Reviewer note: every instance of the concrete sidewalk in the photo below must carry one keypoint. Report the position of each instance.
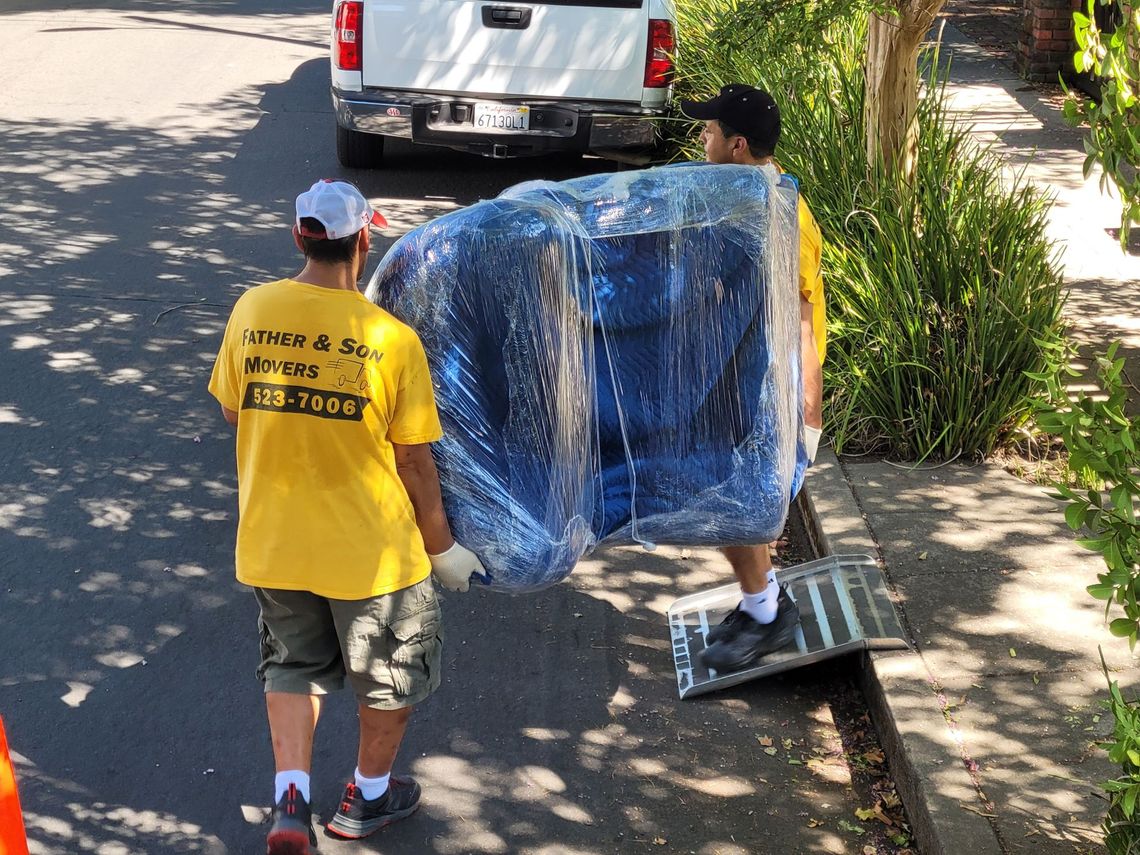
(1023, 124)
(990, 725)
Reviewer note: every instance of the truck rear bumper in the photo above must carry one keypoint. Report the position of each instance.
(447, 120)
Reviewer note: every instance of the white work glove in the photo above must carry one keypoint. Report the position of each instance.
(811, 441)
(454, 568)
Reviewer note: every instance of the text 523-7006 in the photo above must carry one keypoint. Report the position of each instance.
(283, 398)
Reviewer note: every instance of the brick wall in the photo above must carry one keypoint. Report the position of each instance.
(1046, 45)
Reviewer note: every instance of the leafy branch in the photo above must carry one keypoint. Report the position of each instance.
(1110, 50)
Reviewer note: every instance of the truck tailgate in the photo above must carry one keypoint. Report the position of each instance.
(594, 49)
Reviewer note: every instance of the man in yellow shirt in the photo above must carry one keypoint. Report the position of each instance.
(341, 524)
(742, 126)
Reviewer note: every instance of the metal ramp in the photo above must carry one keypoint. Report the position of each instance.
(844, 607)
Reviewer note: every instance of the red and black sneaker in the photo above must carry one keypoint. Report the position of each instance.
(358, 817)
(292, 832)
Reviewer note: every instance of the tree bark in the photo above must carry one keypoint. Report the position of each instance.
(893, 42)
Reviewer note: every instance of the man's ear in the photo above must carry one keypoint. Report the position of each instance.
(297, 239)
(363, 242)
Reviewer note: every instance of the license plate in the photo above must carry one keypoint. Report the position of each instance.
(502, 118)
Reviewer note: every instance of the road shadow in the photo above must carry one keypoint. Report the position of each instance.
(557, 729)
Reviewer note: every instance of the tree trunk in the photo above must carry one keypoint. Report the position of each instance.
(893, 42)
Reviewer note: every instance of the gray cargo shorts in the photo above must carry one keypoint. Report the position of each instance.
(389, 647)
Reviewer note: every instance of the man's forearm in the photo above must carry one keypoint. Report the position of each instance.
(421, 481)
(812, 369)
(813, 389)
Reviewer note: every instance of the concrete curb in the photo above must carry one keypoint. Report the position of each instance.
(924, 756)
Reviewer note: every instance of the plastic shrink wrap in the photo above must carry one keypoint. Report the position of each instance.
(615, 358)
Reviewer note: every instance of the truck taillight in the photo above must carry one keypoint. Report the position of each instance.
(659, 56)
(347, 34)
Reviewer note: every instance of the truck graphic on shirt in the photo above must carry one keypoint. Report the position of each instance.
(349, 372)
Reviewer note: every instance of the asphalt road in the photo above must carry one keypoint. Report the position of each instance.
(149, 155)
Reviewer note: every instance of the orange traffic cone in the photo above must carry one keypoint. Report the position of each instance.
(12, 838)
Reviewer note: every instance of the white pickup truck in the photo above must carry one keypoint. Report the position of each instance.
(499, 77)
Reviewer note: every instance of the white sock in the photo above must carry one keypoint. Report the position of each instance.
(772, 583)
(293, 776)
(372, 788)
(762, 606)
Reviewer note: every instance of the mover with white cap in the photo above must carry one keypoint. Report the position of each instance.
(341, 523)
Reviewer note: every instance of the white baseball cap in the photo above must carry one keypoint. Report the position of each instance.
(339, 207)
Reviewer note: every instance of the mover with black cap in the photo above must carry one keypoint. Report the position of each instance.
(742, 126)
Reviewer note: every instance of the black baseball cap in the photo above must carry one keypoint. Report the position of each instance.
(745, 109)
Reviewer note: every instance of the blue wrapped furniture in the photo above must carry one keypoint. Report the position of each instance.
(616, 358)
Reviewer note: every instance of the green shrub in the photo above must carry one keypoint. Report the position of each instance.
(1113, 120)
(1103, 444)
(1122, 821)
(755, 41)
(941, 294)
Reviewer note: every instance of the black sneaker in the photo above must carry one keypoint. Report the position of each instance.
(292, 832)
(716, 633)
(744, 640)
(358, 817)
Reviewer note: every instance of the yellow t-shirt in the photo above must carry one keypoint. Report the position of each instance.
(324, 382)
(811, 274)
